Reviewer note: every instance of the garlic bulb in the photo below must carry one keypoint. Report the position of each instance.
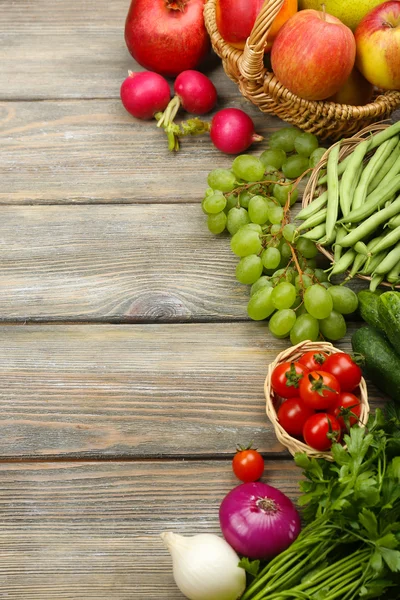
(205, 567)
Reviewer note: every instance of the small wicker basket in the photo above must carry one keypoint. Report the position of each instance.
(312, 189)
(262, 88)
(292, 354)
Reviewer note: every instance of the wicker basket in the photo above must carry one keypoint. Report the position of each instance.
(312, 189)
(262, 88)
(291, 354)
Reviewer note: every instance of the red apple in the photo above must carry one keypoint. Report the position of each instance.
(313, 54)
(378, 46)
(356, 91)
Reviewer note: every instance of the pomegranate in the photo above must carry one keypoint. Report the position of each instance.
(167, 36)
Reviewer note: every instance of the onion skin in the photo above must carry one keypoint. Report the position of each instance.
(258, 520)
(167, 36)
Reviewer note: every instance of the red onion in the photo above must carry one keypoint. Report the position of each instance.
(258, 520)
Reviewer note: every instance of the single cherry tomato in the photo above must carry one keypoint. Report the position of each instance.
(248, 464)
(346, 371)
(320, 431)
(292, 414)
(347, 410)
(313, 360)
(286, 379)
(319, 390)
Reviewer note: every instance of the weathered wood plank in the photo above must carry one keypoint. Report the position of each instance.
(122, 263)
(135, 391)
(91, 531)
(93, 151)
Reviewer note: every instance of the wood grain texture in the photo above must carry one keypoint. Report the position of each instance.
(93, 151)
(91, 531)
(136, 391)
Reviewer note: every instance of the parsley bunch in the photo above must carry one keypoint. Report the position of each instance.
(350, 545)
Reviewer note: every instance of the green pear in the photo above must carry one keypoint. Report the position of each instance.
(350, 12)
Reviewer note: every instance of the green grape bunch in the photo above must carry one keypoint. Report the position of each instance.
(251, 201)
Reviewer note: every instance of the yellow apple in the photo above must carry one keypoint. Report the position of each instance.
(357, 91)
(350, 12)
(378, 46)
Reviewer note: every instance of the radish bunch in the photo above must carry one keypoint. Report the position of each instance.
(146, 95)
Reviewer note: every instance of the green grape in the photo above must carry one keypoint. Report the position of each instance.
(231, 202)
(308, 271)
(275, 215)
(318, 301)
(333, 327)
(288, 232)
(316, 156)
(303, 283)
(271, 257)
(209, 191)
(312, 263)
(221, 179)
(260, 305)
(306, 247)
(301, 310)
(261, 282)
(285, 250)
(249, 269)
(284, 295)
(320, 275)
(237, 217)
(282, 322)
(298, 301)
(305, 328)
(273, 158)
(245, 242)
(305, 144)
(326, 284)
(275, 228)
(284, 138)
(244, 198)
(253, 227)
(345, 301)
(290, 275)
(295, 166)
(202, 208)
(258, 210)
(281, 193)
(248, 167)
(216, 223)
(215, 203)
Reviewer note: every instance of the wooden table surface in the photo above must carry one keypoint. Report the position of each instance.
(129, 369)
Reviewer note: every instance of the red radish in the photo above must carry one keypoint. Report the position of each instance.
(144, 94)
(196, 92)
(167, 36)
(232, 131)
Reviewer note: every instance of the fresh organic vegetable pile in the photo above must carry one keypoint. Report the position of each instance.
(359, 213)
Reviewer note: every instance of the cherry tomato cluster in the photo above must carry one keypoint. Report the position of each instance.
(317, 394)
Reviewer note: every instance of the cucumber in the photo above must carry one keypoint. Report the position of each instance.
(389, 313)
(368, 308)
(382, 364)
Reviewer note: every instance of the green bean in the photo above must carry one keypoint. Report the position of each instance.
(394, 274)
(314, 220)
(389, 262)
(333, 195)
(371, 224)
(391, 163)
(371, 264)
(375, 281)
(337, 248)
(316, 233)
(344, 263)
(376, 200)
(372, 167)
(313, 207)
(361, 248)
(394, 222)
(358, 263)
(389, 240)
(347, 185)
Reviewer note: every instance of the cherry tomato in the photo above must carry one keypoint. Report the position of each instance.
(292, 414)
(313, 360)
(347, 410)
(319, 390)
(286, 378)
(346, 371)
(248, 464)
(320, 431)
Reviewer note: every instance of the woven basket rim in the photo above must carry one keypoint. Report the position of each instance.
(290, 354)
(347, 145)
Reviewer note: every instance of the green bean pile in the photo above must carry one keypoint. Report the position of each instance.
(358, 215)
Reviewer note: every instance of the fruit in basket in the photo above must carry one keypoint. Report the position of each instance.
(307, 68)
(350, 12)
(321, 430)
(319, 389)
(235, 20)
(167, 36)
(292, 415)
(378, 46)
(356, 91)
